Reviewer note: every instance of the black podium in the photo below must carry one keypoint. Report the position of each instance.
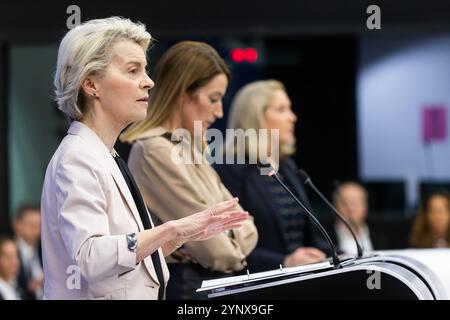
(402, 274)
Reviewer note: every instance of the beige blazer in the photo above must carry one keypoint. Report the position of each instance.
(174, 191)
(87, 209)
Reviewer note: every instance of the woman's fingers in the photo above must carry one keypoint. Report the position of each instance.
(228, 221)
(237, 216)
(224, 206)
(230, 226)
(225, 222)
(219, 219)
(230, 216)
(213, 230)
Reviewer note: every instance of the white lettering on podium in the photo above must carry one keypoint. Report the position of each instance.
(374, 281)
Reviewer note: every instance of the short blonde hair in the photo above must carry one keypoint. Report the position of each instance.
(183, 68)
(86, 50)
(248, 109)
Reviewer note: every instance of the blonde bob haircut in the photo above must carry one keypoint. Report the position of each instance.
(86, 50)
(182, 69)
(248, 110)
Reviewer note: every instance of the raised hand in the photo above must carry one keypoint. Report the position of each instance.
(207, 223)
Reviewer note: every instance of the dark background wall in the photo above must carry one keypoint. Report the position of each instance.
(323, 86)
(4, 221)
(46, 19)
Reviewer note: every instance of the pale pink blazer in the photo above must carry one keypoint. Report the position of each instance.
(87, 209)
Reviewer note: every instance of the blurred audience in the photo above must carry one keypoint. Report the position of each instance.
(351, 199)
(431, 227)
(9, 270)
(27, 229)
(286, 236)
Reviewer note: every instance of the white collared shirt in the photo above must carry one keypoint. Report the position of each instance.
(346, 241)
(8, 291)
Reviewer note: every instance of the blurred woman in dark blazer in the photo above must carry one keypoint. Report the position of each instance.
(286, 236)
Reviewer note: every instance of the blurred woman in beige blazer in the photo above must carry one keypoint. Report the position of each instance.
(98, 241)
(191, 79)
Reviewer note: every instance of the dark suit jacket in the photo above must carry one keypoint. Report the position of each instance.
(24, 277)
(245, 182)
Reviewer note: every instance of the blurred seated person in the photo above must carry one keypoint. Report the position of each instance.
(9, 269)
(286, 236)
(27, 229)
(431, 226)
(351, 199)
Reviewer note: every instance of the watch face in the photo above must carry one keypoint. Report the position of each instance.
(132, 242)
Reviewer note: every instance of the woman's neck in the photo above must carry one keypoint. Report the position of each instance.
(173, 123)
(7, 279)
(108, 131)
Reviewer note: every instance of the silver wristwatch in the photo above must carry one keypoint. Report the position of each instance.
(132, 242)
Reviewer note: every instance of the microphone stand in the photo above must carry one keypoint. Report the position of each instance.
(336, 261)
(307, 180)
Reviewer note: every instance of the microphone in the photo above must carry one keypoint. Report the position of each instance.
(272, 173)
(307, 181)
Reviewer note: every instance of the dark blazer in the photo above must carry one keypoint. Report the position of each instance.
(25, 276)
(252, 188)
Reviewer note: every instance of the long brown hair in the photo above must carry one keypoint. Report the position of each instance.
(421, 233)
(184, 68)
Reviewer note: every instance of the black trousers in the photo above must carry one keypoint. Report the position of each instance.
(186, 278)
